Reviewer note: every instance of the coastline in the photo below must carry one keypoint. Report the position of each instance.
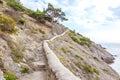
(114, 49)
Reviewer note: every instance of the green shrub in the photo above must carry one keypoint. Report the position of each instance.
(80, 39)
(41, 31)
(97, 78)
(16, 60)
(16, 5)
(78, 56)
(24, 70)
(64, 50)
(72, 47)
(1, 1)
(21, 21)
(72, 33)
(96, 71)
(7, 24)
(19, 55)
(78, 64)
(74, 38)
(9, 76)
(85, 41)
(39, 15)
(88, 68)
(16, 55)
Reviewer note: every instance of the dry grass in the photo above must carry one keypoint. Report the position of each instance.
(7, 24)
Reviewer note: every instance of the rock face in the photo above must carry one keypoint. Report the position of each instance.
(1, 75)
(23, 55)
(101, 53)
(86, 61)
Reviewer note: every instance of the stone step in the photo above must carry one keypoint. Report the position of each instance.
(37, 75)
(38, 65)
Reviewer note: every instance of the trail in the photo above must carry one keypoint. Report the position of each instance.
(50, 67)
(56, 70)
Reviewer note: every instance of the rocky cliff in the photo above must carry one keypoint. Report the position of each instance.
(30, 50)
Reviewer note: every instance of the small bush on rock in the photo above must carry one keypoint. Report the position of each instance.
(41, 31)
(88, 68)
(15, 5)
(9, 76)
(96, 71)
(80, 39)
(64, 50)
(7, 24)
(24, 70)
(21, 21)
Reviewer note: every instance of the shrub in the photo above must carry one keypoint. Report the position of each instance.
(78, 56)
(97, 78)
(96, 71)
(72, 33)
(24, 70)
(78, 64)
(36, 14)
(9, 76)
(16, 5)
(64, 50)
(7, 24)
(1, 1)
(74, 38)
(21, 21)
(72, 47)
(41, 31)
(16, 60)
(85, 41)
(88, 68)
(80, 39)
(39, 15)
(18, 55)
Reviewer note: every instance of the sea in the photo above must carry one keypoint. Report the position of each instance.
(114, 49)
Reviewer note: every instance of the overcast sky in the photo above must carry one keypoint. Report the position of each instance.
(97, 19)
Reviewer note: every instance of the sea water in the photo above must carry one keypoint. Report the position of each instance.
(114, 49)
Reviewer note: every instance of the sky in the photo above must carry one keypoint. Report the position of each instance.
(98, 20)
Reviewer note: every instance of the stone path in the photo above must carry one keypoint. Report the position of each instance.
(44, 73)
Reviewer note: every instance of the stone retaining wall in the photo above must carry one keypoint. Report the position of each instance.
(57, 69)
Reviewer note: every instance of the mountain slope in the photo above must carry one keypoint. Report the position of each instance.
(84, 61)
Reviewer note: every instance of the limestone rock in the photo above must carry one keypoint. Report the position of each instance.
(1, 75)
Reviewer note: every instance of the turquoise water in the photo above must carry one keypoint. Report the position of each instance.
(114, 49)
